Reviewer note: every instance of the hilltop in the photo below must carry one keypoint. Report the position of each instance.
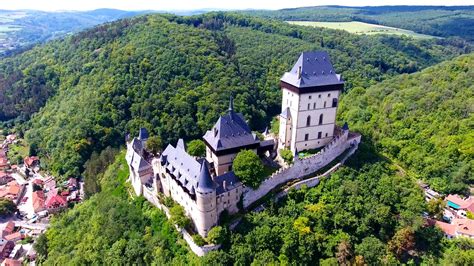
(423, 120)
(174, 74)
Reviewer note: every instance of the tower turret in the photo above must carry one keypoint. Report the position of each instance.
(205, 201)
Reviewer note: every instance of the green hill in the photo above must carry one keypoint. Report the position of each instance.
(442, 21)
(423, 120)
(174, 75)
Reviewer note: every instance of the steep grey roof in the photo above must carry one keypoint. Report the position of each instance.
(316, 70)
(231, 182)
(286, 113)
(143, 134)
(205, 183)
(181, 144)
(137, 145)
(230, 131)
(183, 166)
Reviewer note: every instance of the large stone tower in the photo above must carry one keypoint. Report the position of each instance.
(206, 213)
(310, 97)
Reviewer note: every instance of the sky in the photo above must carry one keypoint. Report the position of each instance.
(53, 5)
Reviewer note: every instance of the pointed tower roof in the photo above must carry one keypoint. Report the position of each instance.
(231, 108)
(345, 126)
(205, 183)
(143, 134)
(181, 144)
(312, 69)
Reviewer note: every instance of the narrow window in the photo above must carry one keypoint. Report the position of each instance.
(319, 134)
(308, 121)
(319, 96)
(309, 106)
(334, 102)
(314, 105)
(324, 104)
(306, 137)
(326, 134)
(329, 94)
(310, 97)
(321, 119)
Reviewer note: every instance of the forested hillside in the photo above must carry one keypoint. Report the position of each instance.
(424, 120)
(174, 75)
(444, 21)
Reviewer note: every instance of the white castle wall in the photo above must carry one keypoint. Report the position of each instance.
(200, 251)
(301, 167)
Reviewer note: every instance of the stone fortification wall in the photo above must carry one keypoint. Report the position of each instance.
(302, 167)
(200, 251)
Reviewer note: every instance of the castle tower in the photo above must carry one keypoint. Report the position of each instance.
(206, 213)
(310, 96)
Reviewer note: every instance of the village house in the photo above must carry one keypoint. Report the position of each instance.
(6, 248)
(461, 205)
(5, 178)
(55, 202)
(458, 227)
(11, 262)
(39, 200)
(32, 163)
(12, 190)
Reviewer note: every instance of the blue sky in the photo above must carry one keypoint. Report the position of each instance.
(52, 5)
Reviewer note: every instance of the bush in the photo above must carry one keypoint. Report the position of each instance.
(178, 216)
(286, 155)
(248, 167)
(154, 144)
(197, 147)
(7, 207)
(199, 240)
(216, 235)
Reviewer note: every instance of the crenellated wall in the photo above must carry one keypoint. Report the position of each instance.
(302, 167)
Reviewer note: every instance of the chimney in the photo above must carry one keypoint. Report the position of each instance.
(224, 184)
(299, 72)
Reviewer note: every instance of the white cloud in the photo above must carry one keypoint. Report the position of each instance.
(200, 4)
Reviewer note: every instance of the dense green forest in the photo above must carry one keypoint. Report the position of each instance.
(366, 212)
(444, 21)
(174, 75)
(424, 120)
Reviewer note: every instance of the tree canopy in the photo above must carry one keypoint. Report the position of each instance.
(249, 168)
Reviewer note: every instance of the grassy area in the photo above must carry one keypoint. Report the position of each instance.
(18, 150)
(362, 28)
(310, 152)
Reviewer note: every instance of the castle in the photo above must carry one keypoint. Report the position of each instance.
(206, 187)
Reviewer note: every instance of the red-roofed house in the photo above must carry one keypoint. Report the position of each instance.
(9, 228)
(11, 191)
(458, 227)
(458, 203)
(5, 178)
(6, 248)
(14, 236)
(31, 161)
(56, 203)
(11, 262)
(38, 201)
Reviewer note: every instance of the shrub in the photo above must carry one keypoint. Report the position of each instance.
(216, 235)
(178, 216)
(199, 240)
(197, 148)
(248, 167)
(286, 155)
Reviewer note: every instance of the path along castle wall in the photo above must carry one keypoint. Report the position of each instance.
(200, 251)
(302, 167)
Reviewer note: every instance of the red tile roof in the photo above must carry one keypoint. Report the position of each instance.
(467, 203)
(30, 160)
(56, 201)
(11, 262)
(9, 227)
(38, 200)
(457, 226)
(14, 236)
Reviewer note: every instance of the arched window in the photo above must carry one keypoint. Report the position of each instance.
(308, 121)
(321, 119)
(334, 102)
